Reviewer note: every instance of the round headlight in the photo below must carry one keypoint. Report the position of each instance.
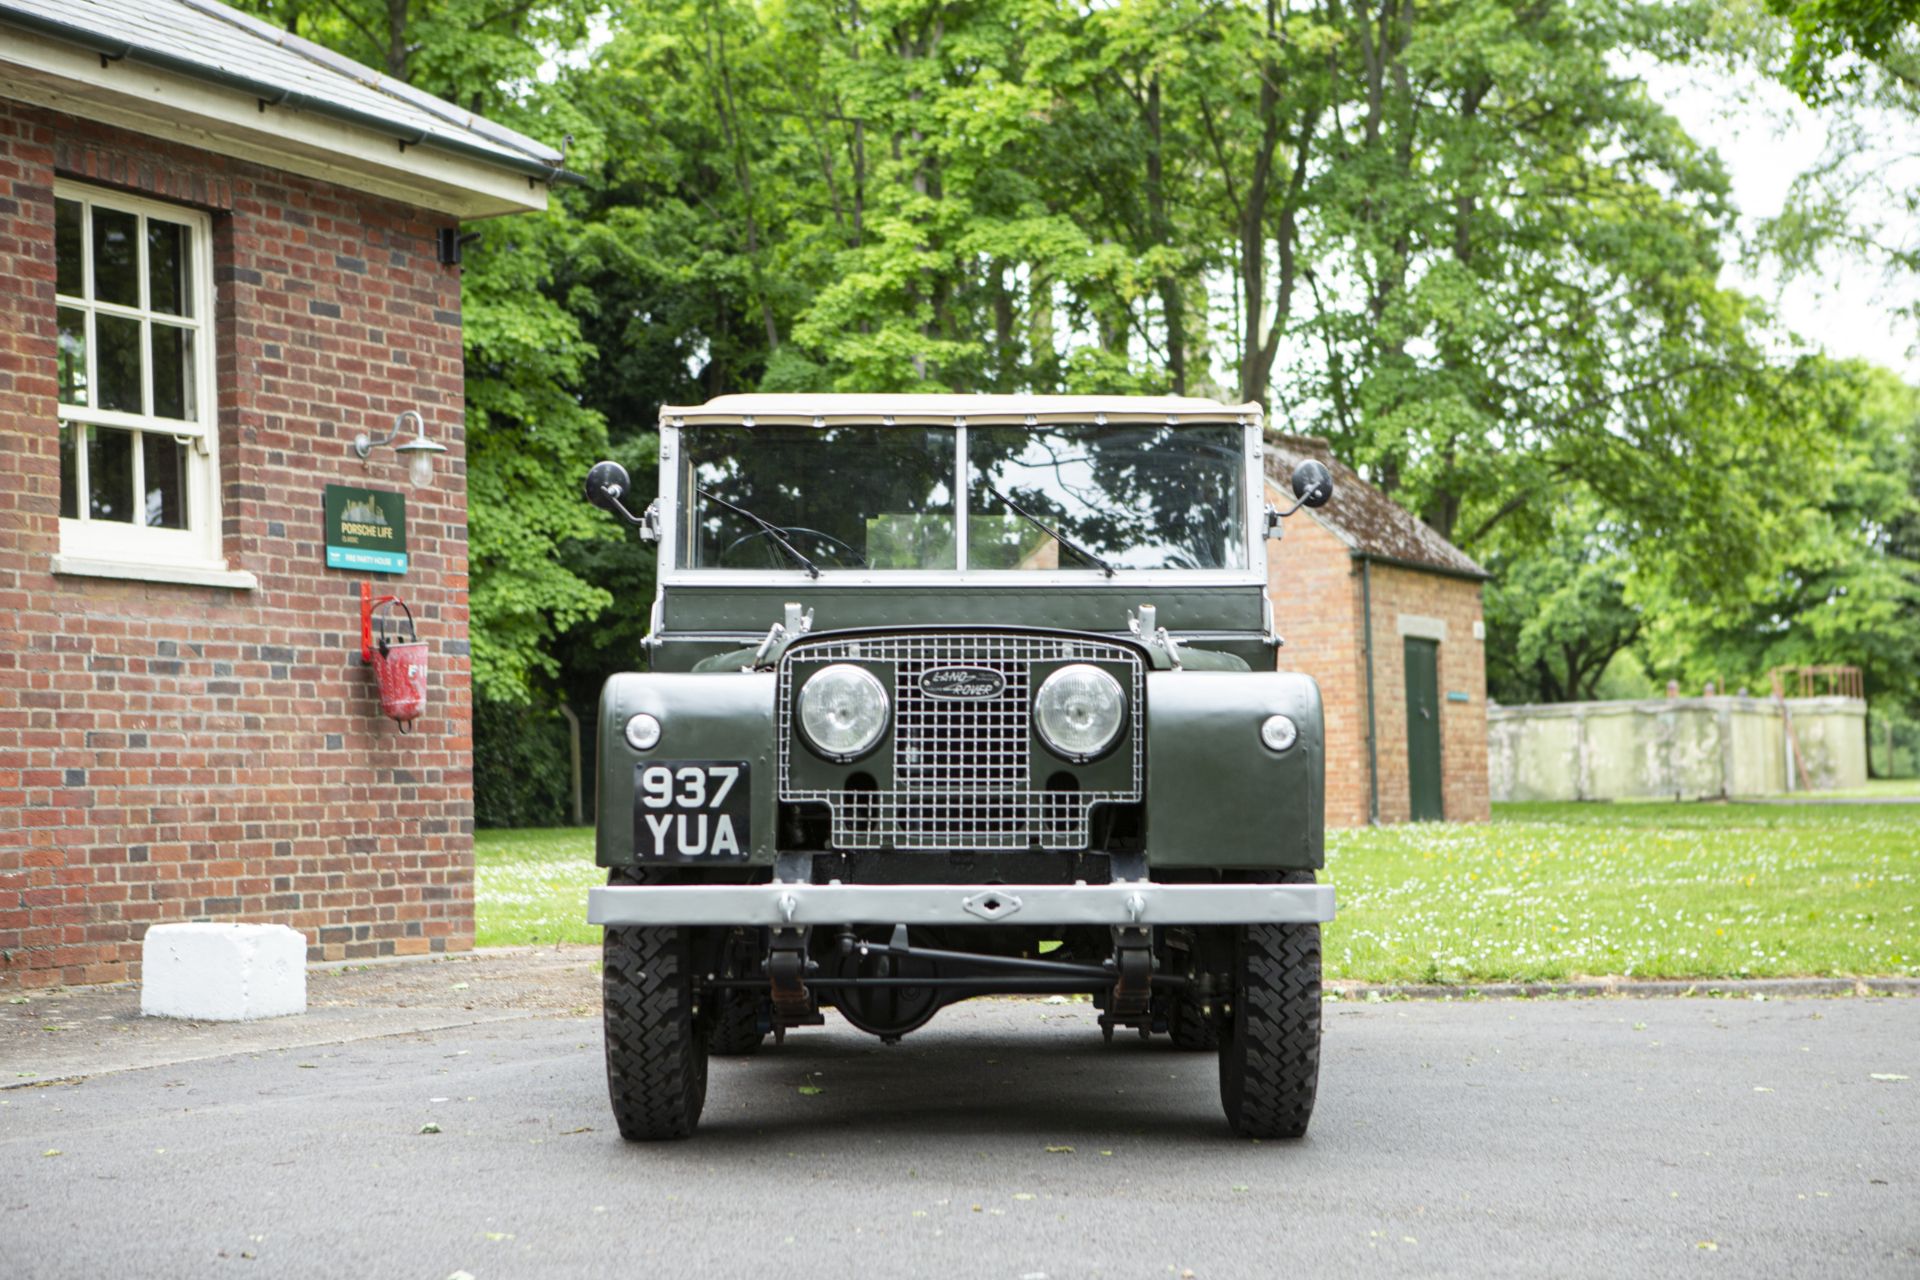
(643, 732)
(1079, 711)
(843, 711)
(1278, 733)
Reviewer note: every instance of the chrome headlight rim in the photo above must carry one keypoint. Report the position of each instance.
(1071, 671)
(865, 679)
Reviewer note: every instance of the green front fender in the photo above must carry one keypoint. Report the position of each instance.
(1218, 797)
(724, 716)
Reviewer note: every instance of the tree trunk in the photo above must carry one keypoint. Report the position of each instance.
(398, 54)
(1172, 300)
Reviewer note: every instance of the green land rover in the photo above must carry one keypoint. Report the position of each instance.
(953, 696)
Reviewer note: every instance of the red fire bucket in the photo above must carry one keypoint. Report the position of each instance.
(402, 668)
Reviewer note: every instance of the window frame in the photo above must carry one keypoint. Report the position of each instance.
(99, 547)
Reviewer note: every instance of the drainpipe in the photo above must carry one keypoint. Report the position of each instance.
(1373, 757)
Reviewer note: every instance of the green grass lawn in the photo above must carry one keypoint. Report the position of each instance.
(530, 885)
(1544, 891)
(1640, 890)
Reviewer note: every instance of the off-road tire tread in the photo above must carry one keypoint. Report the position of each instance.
(736, 1024)
(1270, 1047)
(1191, 1027)
(656, 1048)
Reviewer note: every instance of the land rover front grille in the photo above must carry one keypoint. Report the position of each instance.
(961, 775)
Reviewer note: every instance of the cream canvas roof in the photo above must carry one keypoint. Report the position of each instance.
(916, 408)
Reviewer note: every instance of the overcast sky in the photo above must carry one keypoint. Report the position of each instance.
(1766, 139)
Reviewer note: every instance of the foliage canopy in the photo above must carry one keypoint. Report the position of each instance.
(1457, 238)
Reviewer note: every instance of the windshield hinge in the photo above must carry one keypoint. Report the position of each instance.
(1162, 648)
(781, 634)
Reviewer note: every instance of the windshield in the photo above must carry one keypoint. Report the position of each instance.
(1078, 496)
(1134, 495)
(845, 497)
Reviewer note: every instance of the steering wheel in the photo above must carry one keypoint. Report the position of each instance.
(852, 557)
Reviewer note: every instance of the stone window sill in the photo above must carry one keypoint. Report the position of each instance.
(191, 575)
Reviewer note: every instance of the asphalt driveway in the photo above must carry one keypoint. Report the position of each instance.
(1563, 1137)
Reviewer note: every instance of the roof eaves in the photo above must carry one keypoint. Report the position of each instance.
(280, 95)
(1474, 574)
(359, 72)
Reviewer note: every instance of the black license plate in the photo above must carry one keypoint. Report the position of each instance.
(691, 812)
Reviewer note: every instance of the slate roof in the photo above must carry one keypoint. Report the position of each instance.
(1372, 525)
(222, 45)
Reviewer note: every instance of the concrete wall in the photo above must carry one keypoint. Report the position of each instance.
(1832, 733)
(1672, 748)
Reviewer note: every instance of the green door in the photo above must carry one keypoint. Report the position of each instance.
(1423, 730)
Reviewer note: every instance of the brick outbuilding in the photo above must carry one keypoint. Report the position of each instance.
(224, 253)
(1385, 614)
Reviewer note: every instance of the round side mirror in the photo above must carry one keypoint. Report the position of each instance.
(1312, 483)
(607, 483)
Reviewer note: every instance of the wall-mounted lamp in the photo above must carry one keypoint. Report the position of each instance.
(418, 451)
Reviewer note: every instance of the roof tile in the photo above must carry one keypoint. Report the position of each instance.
(1367, 520)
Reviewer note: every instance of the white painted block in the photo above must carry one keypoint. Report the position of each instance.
(223, 972)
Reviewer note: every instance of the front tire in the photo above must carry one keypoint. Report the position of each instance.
(656, 1034)
(1270, 1045)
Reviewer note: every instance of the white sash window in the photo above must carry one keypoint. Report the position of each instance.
(134, 310)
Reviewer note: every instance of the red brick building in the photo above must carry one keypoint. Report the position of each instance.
(224, 253)
(1385, 614)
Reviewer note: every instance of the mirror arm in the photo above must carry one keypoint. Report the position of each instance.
(647, 522)
(1274, 515)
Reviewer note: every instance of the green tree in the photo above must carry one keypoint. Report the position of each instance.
(1455, 237)
(1885, 33)
(1859, 200)
(1842, 583)
(529, 440)
(1556, 610)
(1515, 263)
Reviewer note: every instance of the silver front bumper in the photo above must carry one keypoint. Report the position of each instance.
(1124, 903)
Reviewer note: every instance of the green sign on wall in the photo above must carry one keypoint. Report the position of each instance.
(366, 529)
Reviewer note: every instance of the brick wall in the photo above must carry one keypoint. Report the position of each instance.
(178, 752)
(1315, 585)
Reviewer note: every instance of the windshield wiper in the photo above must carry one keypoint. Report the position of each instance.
(1050, 531)
(772, 530)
